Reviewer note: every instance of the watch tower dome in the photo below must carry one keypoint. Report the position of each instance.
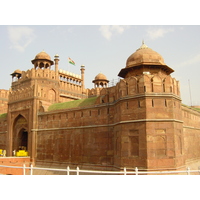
(100, 80)
(42, 60)
(144, 59)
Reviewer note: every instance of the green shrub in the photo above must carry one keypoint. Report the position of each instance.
(4, 115)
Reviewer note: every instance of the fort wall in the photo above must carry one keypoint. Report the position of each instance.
(191, 133)
(3, 130)
(117, 116)
(3, 101)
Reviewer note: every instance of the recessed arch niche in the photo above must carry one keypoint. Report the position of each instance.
(20, 133)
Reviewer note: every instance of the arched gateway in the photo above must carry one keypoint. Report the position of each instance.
(20, 133)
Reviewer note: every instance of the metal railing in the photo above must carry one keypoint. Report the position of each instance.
(79, 171)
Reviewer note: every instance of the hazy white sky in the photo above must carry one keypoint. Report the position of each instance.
(101, 48)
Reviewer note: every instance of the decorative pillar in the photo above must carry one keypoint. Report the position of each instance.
(83, 77)
(56, 59)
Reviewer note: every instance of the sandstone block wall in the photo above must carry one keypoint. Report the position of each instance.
(3, 101)
(75, 136)
(75, 147)
(191, 134)
(3, 131)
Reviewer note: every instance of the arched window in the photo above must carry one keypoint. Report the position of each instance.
(52, 95)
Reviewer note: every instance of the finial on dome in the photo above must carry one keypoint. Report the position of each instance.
(144, 46)
(56, 56)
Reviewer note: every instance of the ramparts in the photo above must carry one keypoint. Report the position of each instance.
(3, 101)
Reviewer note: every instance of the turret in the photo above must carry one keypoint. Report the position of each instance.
(42, 60)
(16, 75)
(100, 81)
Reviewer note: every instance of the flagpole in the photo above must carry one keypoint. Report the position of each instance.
(68, 64)
(190, 92)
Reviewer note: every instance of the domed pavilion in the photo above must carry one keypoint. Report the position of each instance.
(100, 80)
(144, 60)
(42, 60)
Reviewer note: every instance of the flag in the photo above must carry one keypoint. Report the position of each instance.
(71, 61)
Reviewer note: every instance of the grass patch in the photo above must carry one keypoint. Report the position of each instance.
(4, 115)
(197, 109)
(192, 108)
(73, 104)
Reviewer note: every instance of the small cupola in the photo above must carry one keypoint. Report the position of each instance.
(42, 60)
(100, 81)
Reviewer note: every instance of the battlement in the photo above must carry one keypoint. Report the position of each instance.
(50, 74)
(94, 91)
(3, 100)
(137, 85)
(4, 94)
(39, 73)
(22, 93)
(34, 73)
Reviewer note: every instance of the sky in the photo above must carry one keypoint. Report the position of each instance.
(103, 49)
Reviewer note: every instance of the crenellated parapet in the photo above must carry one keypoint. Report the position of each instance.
(39, 73)
(32, 74)
(150, 84)
(36, 73)
(139, 85)
(4, 101)
(21, 94)
(4, 94)
(94, 91)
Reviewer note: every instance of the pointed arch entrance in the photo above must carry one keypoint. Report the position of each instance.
(20, 133)
(23, 139)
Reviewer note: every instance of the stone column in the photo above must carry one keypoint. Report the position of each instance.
(56, 59)
(83, 77)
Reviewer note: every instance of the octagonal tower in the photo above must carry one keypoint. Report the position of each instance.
(152, 137)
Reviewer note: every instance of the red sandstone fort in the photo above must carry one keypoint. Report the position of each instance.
(139, 122)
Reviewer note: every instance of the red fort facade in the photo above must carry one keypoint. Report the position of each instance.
(139, 122)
